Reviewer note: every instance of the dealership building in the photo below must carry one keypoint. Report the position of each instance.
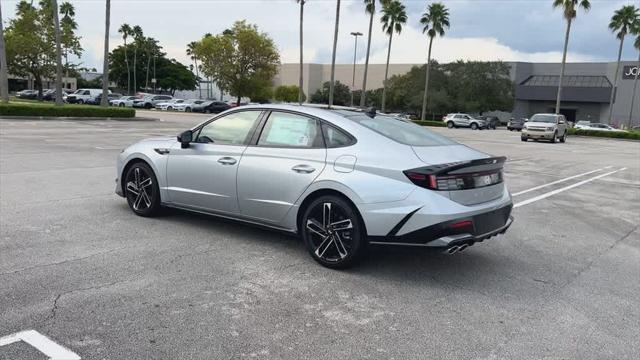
(586, 93)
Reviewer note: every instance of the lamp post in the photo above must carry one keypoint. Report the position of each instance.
(355, 52)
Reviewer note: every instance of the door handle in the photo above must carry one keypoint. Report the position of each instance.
(227, 160)
(303, 169)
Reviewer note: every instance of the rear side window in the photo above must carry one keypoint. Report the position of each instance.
(334, 138)
(290, 130)
(401, 131)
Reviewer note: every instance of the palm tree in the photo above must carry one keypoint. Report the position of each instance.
(125, 30)
(137, 34)
(191, 52)
(636, 44)
(435, 20)
(151, 47)
(56, 24)
(393, 17)
(370, 8)
(4, 77)
(569, 8)
(300, 81)
(67, 24)
(104, 101)
(333, 56)
(623, 20)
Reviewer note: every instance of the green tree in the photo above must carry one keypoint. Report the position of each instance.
(635, 31)
(151, 48)
(341, 94)
(126, 31)
(241, 60)
(370, 8)
(393, 17)
(70, 41)
(4, 77)
(191, 47)
(434, 21)
(569, 9)
(138, 37)
(30, 44)
(289, 94)
(624, 20)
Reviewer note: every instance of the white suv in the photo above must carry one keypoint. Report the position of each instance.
(81, 96)
(551, 127)
(464, 120)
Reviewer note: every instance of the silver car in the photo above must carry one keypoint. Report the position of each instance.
(340, 179)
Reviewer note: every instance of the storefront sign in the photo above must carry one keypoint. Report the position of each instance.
(630, 72)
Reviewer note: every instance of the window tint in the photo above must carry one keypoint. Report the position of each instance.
(290, 130)
(231, 129)
(401, 131)
(335, 138)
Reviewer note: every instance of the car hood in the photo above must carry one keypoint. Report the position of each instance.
(539, 124)
(433, 155)
(159, 139)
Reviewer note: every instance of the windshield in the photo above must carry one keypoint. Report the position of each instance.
(543, 118)
(401, 131)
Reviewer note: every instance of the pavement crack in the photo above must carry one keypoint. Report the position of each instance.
(60, 262)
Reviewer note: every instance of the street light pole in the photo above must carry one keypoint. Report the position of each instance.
(355, 52)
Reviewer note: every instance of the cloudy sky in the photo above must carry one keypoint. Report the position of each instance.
(510, 30)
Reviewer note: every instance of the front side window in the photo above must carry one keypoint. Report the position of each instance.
(231, 129)
(290, 130)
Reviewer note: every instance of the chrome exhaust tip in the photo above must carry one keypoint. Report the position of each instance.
(452, 250)
(462, 247)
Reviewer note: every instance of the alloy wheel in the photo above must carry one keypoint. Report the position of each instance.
(330, 229)
(139, 189)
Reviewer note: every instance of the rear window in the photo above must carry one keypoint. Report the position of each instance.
(404, 132)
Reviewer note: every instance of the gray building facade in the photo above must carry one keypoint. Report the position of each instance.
(586, 91)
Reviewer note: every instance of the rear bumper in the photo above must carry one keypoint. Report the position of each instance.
(446, 235)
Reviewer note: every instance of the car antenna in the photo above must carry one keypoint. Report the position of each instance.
(371, 112)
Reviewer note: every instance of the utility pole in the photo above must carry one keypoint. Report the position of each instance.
(56, 22)
(4, 82)
(155, 79)
(355, 55)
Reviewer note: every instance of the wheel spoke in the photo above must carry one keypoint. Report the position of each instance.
(342, 225)
(326, 215)
(136, 172)
(145, 183)
(324, 245)
(146, 198)
(136, 202)
(339, 246)
(132, 188)
(314, 226)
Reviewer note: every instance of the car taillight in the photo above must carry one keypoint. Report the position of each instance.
(454, 176)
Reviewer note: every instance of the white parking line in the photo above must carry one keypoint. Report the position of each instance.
(558, 181)
(551, 193)
(52, 350)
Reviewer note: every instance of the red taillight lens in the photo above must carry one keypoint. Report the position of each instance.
(461, 224)
(448, 177)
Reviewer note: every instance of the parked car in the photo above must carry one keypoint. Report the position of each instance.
(582, 124)
(98, 99)
(187, 105)
(317, 172)
(552, 127)
(50, 95)
(123, 101)
(491, 121)
(516, 124)
(211, 107)
(150, 101)
(27, 94)
(463, 120)
(81, 96)
(169, 105)
(598, 127)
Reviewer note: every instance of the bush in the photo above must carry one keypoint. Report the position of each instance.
(606, 134)
(67, 110)
(430, 123)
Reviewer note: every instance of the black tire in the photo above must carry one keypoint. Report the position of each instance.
(141, 202)
(450, 124)
(474, 126)
(187, 109)
(333, 232)
(121, 105)
(148, 106)
(81, 102)
(524, 138)
(563, 139)
(555, 137)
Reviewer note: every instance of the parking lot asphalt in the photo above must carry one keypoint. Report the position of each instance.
(78, 267)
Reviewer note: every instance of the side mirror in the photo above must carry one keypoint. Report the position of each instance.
(561, 122)
(185, 138)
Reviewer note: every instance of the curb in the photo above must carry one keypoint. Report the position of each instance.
(77, 118)
(603, 138)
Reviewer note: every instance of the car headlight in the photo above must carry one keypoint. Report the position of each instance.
(550, 128)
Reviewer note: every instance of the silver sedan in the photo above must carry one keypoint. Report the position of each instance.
(341, 179)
